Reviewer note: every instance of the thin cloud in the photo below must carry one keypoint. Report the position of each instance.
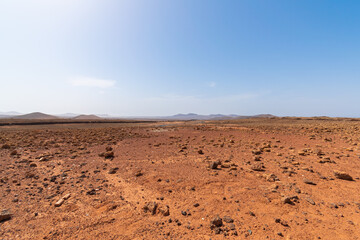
(92, 82)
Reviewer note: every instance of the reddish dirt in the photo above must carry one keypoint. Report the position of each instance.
(169, 163)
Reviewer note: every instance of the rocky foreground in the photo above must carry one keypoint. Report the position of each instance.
(247, 179)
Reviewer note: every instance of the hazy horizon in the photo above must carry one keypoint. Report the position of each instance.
(161, 58)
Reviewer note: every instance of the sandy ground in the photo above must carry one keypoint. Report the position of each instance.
(248, 179)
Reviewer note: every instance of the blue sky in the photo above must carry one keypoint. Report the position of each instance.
(161, 57)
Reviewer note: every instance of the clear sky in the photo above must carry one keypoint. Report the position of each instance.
(163, 57)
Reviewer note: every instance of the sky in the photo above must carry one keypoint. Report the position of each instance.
(161, 57)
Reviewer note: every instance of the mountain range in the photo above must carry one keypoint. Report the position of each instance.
(184, 117)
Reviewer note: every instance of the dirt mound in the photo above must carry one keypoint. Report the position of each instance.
(87, 117)
(35, 115)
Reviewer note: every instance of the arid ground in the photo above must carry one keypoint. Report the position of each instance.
(281, 178)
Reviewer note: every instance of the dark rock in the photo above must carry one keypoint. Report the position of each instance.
(138, 173)
(5, 215)
(343, 176)
(91, 192)
(113, 170)
(289, 199)
(307, 181)
(150, 207)
(109, 155)
(216, 222)
(214, 165)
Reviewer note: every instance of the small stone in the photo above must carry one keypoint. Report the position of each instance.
(67, 196)
(289, 199)
(113, 170)
(217, 230)
(307, 181)
(301, 153)
(310, 200)
(258, 167)
(5, 215)
(59, 202)
(109, 155)
(164, 210)
(271, 177)
(216, 222)
(257, 158)
(343, 175)
(214, 165)
(91, 192)
(150, 207)
(138, 173)
(14, 152)
(228, 219)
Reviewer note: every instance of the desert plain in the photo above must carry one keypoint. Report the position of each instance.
(272, 178)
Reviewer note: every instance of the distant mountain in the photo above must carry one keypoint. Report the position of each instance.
(67, 115)
(193, 116)
(256, 116)
(87, 117)
(35, 115)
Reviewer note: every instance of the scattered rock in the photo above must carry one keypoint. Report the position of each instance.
(113, 170)
(109, 155)
(164, 210)
(13, 152)
(5, 215)
(343, 175)
(91, 192)
(59, 202)
(307, 181)
(227, 219)
(214, 165)
(216, 222)
(290, 199)
(150, 207)
(282, 222)
(138, 173)
(271, 177)
(258, 167)
(33, 165)
(62, 200)
(310, 200)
